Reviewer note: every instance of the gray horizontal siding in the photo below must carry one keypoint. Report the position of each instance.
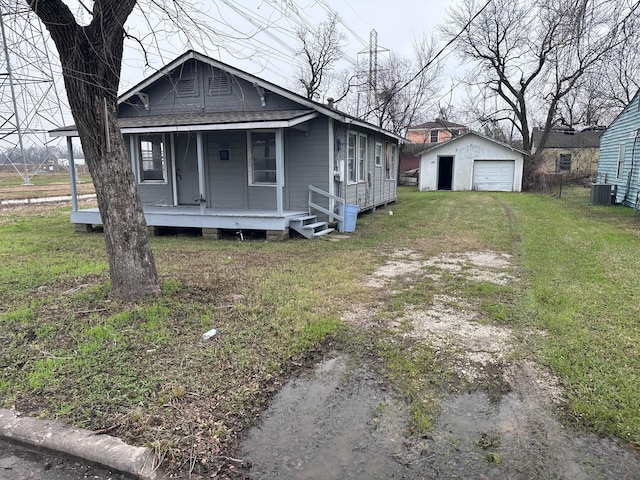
(307, 162)
(375, 190)
(227, 181)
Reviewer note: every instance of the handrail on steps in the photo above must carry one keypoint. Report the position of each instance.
(329, 196)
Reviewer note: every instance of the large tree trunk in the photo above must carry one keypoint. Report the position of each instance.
(91, 58)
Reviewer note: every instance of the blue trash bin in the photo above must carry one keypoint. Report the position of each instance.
(350, 216)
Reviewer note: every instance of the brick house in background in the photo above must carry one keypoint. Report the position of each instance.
(422, 136)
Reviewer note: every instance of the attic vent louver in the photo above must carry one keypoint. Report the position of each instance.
(219, 84)
(186, 87)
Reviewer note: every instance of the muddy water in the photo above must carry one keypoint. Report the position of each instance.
(339, 423)
(336, 423)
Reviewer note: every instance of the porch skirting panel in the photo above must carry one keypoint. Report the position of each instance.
(192, 217)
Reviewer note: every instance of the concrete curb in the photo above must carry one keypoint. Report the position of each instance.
(104, 450)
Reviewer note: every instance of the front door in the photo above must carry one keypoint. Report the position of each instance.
(187, 169)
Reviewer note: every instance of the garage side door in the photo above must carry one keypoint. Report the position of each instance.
(493, 175)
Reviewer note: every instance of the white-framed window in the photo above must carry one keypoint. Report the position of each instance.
(378, 154)
(620, 168)
(262, 157)
(356, 157)
(433, 136)
(362, 157)
(389, 166)
(351, 157)
(152, 158)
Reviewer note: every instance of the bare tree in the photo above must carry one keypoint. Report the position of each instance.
(405, 89)
(91, 58)
(528, 56)
(321, 49)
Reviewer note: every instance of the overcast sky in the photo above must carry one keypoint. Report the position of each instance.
(258, 35)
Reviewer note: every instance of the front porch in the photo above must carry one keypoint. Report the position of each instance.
(198, 217)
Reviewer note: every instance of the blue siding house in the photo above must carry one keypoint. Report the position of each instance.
(216, 148)
(619, 163)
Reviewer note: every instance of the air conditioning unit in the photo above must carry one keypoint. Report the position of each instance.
(601, 194)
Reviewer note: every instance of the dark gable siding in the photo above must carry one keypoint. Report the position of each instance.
(198, 87)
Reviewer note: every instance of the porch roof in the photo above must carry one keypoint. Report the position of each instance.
(204, 121)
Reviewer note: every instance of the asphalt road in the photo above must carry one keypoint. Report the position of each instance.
(18, 463)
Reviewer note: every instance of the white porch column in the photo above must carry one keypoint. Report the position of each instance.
(279, 170)
(72, 175)
(201, 179)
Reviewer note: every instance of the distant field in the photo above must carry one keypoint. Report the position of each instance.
(42, 185)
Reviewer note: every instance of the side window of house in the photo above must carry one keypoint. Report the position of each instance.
(390, 161)
(564, 162)
(152, 157)
(262, 158)
(620, 168)
(362, 157)
(378, 154)
(433, 136)
(351, 157)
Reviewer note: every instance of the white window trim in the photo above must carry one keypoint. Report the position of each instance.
(378, 154)
(250, 160)
(394, 153)
(362, 175)
(142, 181)
(355, 159)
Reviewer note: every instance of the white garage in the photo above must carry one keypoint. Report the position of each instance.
(471, 162)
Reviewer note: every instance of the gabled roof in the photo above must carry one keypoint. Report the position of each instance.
(214, 121)
(569, 138)
(256, 81)
(436, 146)
(438, 124)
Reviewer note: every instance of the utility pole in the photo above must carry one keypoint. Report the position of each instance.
(372, 81)
(29, 100)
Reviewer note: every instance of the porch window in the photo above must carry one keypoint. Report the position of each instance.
(152, 157)
(620, 168)
(378, 154)
(391, 161)
(262, 158)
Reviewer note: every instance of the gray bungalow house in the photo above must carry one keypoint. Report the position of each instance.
(216, 148)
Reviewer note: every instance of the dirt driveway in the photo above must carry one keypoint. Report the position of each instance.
(342, 421)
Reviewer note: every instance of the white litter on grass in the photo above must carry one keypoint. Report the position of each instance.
(209, 334)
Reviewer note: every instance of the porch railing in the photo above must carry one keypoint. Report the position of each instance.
(327, 211)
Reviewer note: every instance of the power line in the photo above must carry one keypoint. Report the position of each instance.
(447, 45)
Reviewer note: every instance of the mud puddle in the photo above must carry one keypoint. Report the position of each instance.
(336, 423)
(340, 422)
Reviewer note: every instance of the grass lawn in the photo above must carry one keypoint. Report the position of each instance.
(144, 373)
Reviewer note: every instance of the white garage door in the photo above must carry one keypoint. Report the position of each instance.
(493, 175)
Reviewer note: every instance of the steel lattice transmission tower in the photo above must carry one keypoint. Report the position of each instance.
(29, 101)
